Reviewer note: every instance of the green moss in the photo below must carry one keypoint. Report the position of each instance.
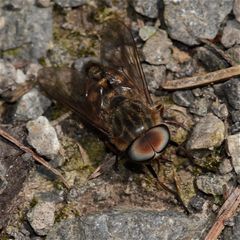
(14, 52)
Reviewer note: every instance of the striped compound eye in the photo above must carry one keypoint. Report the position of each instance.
(153, 141)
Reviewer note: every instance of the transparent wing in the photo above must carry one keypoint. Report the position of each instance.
(77, 92)
(118, 50)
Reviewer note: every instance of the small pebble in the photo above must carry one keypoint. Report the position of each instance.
(213, 184)
(233, 147)
(146, 8)
(236, 9)
(156, 49)
(41, 217)
(146, 32)
(42, 136)
(231, 34)
(208, 133)
(31, 105)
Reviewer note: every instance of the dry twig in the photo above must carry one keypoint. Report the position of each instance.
(227, 210)
(35, 156)
(196, 81)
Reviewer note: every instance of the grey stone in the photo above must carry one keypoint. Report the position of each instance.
(200, 106)
(130, 224)
(231, 34)
(31, 105)
(41, 217)
(225, 166)
(236, 9)
(42, 136)
(70, 3)
(183, 98)
(235, 115)
(43, 3)
(28, 30)
(233, 148)
(8, 76)
(146, 8)
(189, 20)
(210, 60)
(155, 75)
(220, 110)
(234, 52)
(156, 49)
(232, 92)
(213, 184)
(235, 128)
(146, 32)
(207, 133)
(233, 232)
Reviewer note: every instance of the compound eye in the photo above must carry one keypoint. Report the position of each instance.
(141, 150)
(145, 147)
(158, 137)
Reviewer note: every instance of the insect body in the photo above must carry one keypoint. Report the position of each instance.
(112, 96)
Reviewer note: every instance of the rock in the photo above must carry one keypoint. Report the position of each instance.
(225, 166)
(235, 115)
(27, 31)
(18, 233)
(42, 136)
(187, 21)
(43, 3)
(155, 75)
(70, 3)
(31, 105)
(231, 34)
(146, 32)
(232, 92)
(185, 186)
(213, 184)
(210, 60)
(200, 106)
(234, 52)
(8, 76)
(235, 128)
(236, 9)
(146, 8)
(207, 134)
(233, 232)
(156, 49)
(130, 224)
(220, 110)
(183, 98)
(197, 203)
(233, 147)
(42, 217)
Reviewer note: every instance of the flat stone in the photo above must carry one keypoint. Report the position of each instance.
(225, 166)
(27, 29)
(155, 75)
(231, 89)
(146, 32)
(146, 8)
(31, 105)
(42, 136)
(130, 224)
(156, 49)
(213, 184)
(236, 9)
(231, 34)
(183, 98)
(207, 133)
(233, 147)
(70, 3)
(189, 20)
(42, 217)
